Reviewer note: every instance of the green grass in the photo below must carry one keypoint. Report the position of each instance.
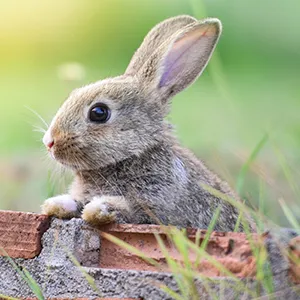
(185, 271)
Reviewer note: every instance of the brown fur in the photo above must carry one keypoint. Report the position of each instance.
(133, 164)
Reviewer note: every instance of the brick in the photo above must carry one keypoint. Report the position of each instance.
(20, 233)
(230, 249)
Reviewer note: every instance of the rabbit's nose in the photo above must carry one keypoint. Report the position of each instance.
(48, 140)
(50, 145)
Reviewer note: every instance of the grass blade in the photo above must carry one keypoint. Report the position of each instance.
(287, 171)
(130, 249)
(215, 66)
(89, 279)
(170, 292)
(33, 285)
(211, 227)
(7, 297)
(208, 234)
(261, 204)
(249, 161)
(238, 222)
(289, 215)
(175, 269)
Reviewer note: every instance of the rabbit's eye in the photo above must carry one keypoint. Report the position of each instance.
(99, 113)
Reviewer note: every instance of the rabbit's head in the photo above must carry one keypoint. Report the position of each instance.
(116, 118)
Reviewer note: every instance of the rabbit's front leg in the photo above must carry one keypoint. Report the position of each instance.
(62, 206)
(105, 209)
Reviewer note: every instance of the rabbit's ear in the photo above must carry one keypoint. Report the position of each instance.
(159, 34)
(181, 59)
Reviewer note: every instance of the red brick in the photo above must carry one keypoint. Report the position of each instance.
(230, 249)
(20, 233)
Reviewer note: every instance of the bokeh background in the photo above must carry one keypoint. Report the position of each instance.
(248, 99)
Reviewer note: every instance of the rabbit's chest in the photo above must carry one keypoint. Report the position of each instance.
(95, 185)
(130, 184)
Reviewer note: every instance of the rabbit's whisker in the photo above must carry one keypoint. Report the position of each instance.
(38, 115)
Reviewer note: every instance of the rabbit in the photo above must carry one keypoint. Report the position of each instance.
(128, 165)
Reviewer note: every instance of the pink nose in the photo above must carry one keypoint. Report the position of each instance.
(50, 145)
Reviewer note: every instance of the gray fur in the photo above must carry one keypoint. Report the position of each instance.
(135, 154)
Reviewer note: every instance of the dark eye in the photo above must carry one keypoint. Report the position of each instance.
(99, 113)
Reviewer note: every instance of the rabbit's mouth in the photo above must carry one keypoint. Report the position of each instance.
(62, 157)
(64, 149)
(51, 154)
(70, 157)
(64, 161)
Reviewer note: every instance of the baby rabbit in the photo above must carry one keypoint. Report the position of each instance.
(128, 165)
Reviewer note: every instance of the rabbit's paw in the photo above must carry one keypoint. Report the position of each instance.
(100, 210)
(62, 206)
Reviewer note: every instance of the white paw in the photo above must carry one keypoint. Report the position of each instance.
(62, 206)
(99, 211)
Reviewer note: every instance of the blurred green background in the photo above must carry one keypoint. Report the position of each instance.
(250, 88)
